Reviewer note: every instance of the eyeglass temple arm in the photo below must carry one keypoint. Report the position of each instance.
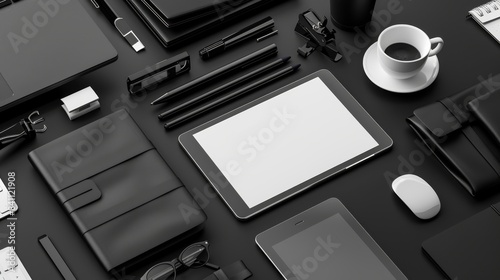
(192, 260)
(212, 266)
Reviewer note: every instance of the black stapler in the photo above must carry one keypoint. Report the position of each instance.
(318, 36)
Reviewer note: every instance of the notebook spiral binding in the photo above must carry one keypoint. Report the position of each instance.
(488, 17)
(496, 209)
(486, 8)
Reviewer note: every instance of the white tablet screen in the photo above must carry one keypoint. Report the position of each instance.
(284, 141)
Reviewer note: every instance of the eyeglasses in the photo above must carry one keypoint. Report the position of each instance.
(193, 256)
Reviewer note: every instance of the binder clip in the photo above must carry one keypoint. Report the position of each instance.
(153, 75)
(318, 36)
(26, 126)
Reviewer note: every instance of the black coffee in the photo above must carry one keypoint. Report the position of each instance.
(402, 51)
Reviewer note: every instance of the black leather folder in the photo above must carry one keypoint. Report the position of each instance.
(463, 132)
(469, 250)
(122, 196)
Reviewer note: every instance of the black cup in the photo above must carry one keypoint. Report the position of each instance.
(347, 14)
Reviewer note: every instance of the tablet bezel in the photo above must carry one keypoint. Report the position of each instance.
(216, 178)
(303, 221)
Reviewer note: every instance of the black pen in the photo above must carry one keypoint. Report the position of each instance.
(282, 73)
(234, 83)
(230, 68)
(237, 37)
(119, 23)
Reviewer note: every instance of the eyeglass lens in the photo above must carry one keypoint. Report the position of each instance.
(162, 271)
(194, 256)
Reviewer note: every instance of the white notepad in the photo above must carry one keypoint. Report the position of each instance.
(11, 267)
(7, 203)
(488, 16)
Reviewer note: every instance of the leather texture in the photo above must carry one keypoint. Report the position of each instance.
(117, 189)
(463, 132)
(470, 249)
(486, 111)
(235, 271)
(176, 37)
(180, 10)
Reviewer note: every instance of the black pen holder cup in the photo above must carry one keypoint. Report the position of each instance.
(348, 14)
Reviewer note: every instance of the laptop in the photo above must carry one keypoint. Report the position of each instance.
(45, 43)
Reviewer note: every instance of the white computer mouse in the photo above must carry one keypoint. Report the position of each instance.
(418, 195)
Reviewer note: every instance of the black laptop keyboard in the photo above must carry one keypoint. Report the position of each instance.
(4, 3)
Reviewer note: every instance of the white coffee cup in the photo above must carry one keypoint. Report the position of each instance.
(404, 33)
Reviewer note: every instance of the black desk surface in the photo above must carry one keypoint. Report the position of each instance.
(467, 58)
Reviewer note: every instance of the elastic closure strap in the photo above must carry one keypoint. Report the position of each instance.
(471, 135)
(438, 119)
(235, 271)
(220, 275)
(485, 110)
(458, 113)
(496, 208)
(482, 149)
(79, 195)
(94, 221)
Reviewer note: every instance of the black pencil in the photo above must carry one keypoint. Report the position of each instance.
(241, 80)
(280, 74)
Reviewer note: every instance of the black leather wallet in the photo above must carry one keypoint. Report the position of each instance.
(463, 132)
(125, 200)
(469, 250)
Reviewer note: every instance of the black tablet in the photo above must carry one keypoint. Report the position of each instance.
(326, 242)
(283, 143)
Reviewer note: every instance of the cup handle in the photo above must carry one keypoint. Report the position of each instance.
(439, 46)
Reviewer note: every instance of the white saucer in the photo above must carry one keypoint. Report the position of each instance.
(379, 77)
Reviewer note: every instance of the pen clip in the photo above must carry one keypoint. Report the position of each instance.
(128, 34)
(122, 26)
(95, 4)
(252, 30)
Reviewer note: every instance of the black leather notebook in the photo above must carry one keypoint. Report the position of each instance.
(178, 13)
(469, 250)
(125, 200)
(173, 37)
